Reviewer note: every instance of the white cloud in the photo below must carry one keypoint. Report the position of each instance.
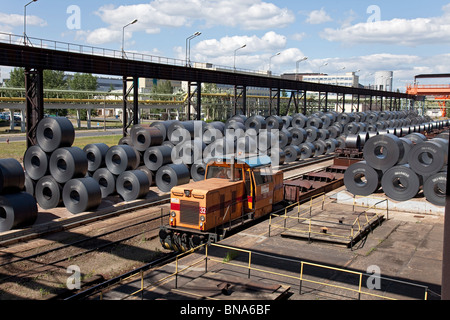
(407, 32)
(318, 17)
(255, 56)
(15, 20)
(299, 36)
(248, 14)
(227, 45)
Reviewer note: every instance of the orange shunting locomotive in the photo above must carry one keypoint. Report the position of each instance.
(235, 192)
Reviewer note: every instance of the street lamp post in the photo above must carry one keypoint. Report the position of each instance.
(188, 47)
(25, 21)
(297, 66)
(123, 36)
(324, 65)
(234, 64)
(270, 60)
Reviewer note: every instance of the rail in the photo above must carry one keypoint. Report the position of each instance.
(301, 277)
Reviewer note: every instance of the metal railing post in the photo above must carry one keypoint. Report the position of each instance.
(206, 258)
(301, 278)
(249, 263)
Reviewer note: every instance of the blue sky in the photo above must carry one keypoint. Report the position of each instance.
(407, 37)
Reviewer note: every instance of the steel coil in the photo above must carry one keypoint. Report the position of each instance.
(219, 148)
(132, 185)
(126, 141)
(30, 185)
(188, 152)
(35, 162)
(327, 120)
(334, 131)
(345, 118)
(291, 153)
(364, 136)
(54, 132)
(237, 118)
(311, 134)
(266, 140)
(12, 176)
(213, 131)
(331, 144)
(320, 148)
(106, 181)
(179, 135)
(235, 125)
(149, 173)
(156, 157)
(95, 154)
(314, 122)
(407, 145)
(351, 128)
(284, 138)
(256, 122)
(121, 158)
(427, 158)
(299, 120)
(277, 156)
(401, 183)
(82, 194)
(361, 179)
(163, 127)
(247, 144)
(17, 210)
(323, 134)
(198, 171)
(298, 135)
(274, 122)
(146, 137)
(353, 141)
(172, 175)
(48, 193)
(382, 152)
(435, 188)
(287, 120)
(416, 137)
(307, 150)
(68, 163)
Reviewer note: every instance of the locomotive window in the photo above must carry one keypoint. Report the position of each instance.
(263, 175)
(222, 173)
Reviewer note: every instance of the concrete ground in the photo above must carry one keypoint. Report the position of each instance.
(405, 251)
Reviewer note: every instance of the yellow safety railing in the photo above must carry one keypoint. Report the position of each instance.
(301, 276)
(304, 217)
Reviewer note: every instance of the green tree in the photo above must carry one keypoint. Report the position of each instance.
(83, 81)
(163, 87)
(16, 78)
(52, 79)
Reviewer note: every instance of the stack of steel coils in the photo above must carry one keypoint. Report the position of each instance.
(402, 167)
(56, 171)
(17, 207)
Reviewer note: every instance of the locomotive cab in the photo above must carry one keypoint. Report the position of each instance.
(233, 193)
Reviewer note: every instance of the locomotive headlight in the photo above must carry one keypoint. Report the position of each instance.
(202, 218)
(173, 213)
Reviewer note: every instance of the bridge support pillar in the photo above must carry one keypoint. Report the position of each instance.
(134, 119)
(34, 95)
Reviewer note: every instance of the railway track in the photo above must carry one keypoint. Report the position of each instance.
(25, 266)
